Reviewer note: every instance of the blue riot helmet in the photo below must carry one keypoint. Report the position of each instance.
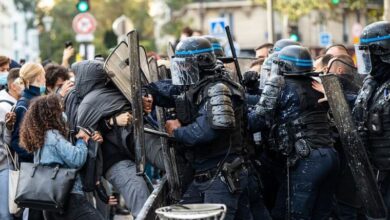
(265, 72)
(374, 47)
(282, 43)
(292, 60)
(193, 56)
(217, 47)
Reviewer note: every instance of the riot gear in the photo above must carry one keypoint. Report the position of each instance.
(299, 130)
(251, 80)
(265, 72)
(193, 56)
(292, 60)
(374, 47)
(282, 43)
(217, 47)
(221, 107)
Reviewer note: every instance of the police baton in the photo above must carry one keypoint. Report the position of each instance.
(158, 133)
(234, 55)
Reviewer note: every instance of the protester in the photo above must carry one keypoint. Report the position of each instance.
(32, 76)
(8, 98)
(43, 132)
(66, 56)
(321, 63)
(337, 50)
(262, 51)
(57, 79)
(4, 64)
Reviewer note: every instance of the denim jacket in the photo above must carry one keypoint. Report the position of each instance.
(58, 150)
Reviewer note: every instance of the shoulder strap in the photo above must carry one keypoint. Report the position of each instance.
(14, 159)
(7, 101)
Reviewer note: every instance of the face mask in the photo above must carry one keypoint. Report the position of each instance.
(42, 89)
(3, 78)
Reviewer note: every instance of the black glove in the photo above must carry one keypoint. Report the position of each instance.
(251, 79)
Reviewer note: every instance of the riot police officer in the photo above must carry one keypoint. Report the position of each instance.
(300, 131)
(209, 125)
(216, 45)
(282, 43)
(372, 106)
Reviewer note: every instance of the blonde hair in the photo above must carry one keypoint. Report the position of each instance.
(28, 73)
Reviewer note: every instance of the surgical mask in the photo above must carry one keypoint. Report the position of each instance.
(3, 78)
(42, 89)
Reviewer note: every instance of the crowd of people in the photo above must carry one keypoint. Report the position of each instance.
(263, 144)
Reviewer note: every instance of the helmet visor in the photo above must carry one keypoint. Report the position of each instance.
(185, 71)
(264, 76)
(275, 68)
(363, 59)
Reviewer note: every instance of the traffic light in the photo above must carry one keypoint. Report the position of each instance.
(83, 6)
(294, 33)
(335, 2)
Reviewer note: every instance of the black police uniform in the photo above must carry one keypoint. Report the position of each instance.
(372, 106)
(210, 107)
(300, 131)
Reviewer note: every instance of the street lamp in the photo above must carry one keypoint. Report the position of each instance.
(48, 23)
(46, 6)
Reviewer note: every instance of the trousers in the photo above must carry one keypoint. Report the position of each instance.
(312, 184)
(123, 176)
(78, 209)
(216, 191)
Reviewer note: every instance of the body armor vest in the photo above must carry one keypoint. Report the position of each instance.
(309, 130)
(196, 97)
(372, 113)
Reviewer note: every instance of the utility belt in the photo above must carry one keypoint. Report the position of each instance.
(296, 138)
(228, 172)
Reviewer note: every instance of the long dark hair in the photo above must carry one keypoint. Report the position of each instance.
(44, 113)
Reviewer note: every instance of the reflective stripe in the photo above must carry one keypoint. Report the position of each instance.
(216, 46)
(298, 62)
(192, 52)
(374, 39)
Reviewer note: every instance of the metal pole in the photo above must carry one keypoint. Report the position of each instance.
(270, 21)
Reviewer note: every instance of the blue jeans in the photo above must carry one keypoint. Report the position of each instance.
(4, 210)
(216, 191)
(312, 184)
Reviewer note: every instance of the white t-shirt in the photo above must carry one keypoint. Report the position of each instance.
(5, 107)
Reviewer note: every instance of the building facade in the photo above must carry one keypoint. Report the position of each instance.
(248, 22)
(17, 40)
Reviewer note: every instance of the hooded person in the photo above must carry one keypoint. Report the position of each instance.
(96, 103)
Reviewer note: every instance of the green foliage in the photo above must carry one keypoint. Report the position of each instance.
(178, 4)
(295, 9)
(105, 13)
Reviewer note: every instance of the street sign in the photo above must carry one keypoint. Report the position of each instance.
(122, 25)
(325, 39)
(84, 37)
(217, 27)
(84, 23)
(357, 30)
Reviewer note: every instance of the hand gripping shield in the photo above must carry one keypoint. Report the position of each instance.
(123, 67)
